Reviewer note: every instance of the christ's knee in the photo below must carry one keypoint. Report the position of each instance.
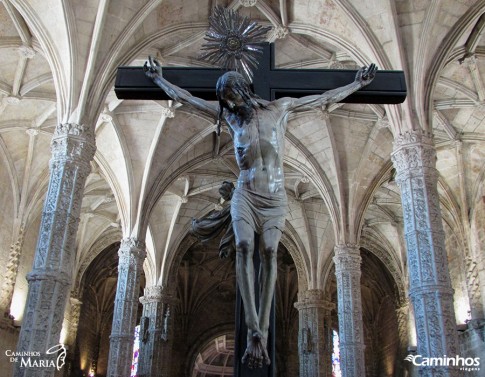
(243, 248)
(269, 254)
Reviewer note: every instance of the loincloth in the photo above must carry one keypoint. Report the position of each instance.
(260, 211)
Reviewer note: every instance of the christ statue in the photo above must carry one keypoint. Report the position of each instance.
(259, 202)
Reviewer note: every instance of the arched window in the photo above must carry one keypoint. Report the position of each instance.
(336, 372)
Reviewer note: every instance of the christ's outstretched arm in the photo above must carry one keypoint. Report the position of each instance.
(153, 70)
(364, 77)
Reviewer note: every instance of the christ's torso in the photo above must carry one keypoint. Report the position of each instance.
(259, 148)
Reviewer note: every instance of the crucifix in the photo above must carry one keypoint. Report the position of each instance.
(257, 125)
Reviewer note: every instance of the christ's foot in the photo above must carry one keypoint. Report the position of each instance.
(256, 353)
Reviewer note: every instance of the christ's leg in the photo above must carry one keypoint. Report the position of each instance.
(268, 271)
(255, 352)
(244, 235)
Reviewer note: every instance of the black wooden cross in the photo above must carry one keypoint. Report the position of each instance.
(388, 87)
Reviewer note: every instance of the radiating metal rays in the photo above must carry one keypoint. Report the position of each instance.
(233, 41)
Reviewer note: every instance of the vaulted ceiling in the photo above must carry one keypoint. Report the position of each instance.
(158, 164)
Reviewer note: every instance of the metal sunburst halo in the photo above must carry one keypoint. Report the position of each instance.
(233, 41)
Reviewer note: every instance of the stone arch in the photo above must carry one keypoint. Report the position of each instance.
(111, 237)
(208, 336)
(371, 242)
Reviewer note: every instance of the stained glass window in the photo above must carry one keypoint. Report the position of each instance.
(136, 352)
(336, 372)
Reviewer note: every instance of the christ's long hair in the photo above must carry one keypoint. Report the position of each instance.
(239, 85)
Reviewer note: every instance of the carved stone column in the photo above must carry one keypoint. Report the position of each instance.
(150, 332)
(11, 271)
(155, 333)
(314, 343)
(131, 256)
(72, 326)
(414, 158)
(72, 150)
(402, 314)
(351, 329)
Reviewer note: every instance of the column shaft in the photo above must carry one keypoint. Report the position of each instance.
(131, 256)
(155, 336)
(414, 158)
(72, 150)
(351, 330)
(314, 343)
(72, 326)
(11, 271)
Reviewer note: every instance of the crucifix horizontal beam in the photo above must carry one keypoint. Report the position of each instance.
(388, 87)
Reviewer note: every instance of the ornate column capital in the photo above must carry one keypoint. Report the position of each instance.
(413, 151)
(314, 298)
(413, 137)
(152, 294)
(132, 246)
(347, 258)
(73, 129)
(73, 142)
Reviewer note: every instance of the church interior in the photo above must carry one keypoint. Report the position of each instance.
(383, 254)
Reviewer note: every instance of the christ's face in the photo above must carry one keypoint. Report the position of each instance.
(233, 100)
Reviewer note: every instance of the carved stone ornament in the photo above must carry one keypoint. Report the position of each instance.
(26, 52)
(413, 150)
(131, 254)
(152, 294)
(351, 332)
(168, 112)
(74, 314)
(248, 3)
(72, 141)
(74, 129)
(10, 273)
(156, 328)
(12, 100)
(49, 282)
(430, 290)
(313, 341)
(279, 32)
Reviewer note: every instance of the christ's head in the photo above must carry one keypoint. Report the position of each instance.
(233, 91)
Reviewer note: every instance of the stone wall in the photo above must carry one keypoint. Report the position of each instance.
(472, 344)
